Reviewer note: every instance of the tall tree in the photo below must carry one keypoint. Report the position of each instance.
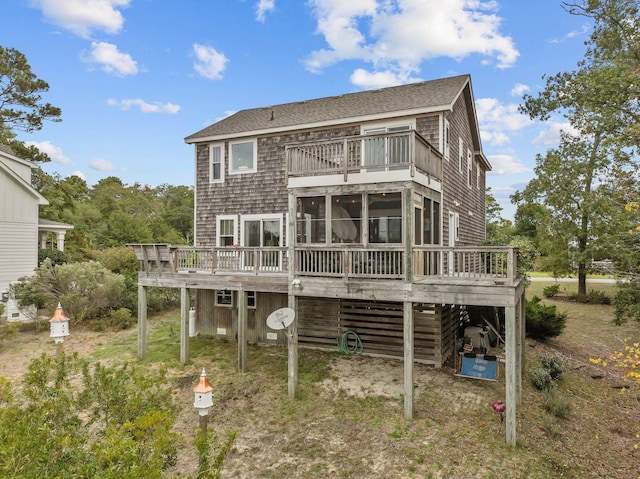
(571, 178)
(21, 106)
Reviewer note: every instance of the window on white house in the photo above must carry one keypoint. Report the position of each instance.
(469, 168)
(243, 157)
(460, 154)
(216, 163)
(224, 298)
(226, 230)
(445, 135)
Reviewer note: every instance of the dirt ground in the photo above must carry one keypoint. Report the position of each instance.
(348, 421)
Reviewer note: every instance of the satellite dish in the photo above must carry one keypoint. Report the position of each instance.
(281, 318)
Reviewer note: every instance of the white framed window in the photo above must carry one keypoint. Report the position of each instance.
(446, 140)
(224, 298)
(460, 153)
(469, 168)
(456, 226)
(226, 230)
(216, 163)
(251, 299)
(478, 175)
(243, 156)
(262, 232)
(384, 150)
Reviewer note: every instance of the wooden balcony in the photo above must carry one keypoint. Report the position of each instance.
(487, 265)
(346, 156)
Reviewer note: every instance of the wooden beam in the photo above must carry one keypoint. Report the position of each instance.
(142, 321)
(184, 325)
(242, 331)
(292, 348)
(408, 359)
(511, 377)
(292, 336)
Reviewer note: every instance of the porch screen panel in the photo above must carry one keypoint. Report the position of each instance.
(310, 223)
(346, 219)
(385, 218)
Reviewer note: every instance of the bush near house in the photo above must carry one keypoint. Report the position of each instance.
(543, 321)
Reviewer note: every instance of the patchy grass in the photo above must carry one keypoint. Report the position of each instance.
(335, 431)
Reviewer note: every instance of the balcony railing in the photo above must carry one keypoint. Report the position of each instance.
(365, 153)
(496, 264)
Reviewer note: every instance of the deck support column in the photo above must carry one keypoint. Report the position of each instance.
(184, 325)
(242, 331)
(292, 349)
(408, 359)
(511, 375)
(292, 300)
(142, 321)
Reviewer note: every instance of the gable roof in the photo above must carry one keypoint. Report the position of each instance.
(6, 159)
(402, 100)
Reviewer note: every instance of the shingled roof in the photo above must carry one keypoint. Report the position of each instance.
(434, 95)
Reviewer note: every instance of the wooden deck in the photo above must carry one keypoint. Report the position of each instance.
(481, 276)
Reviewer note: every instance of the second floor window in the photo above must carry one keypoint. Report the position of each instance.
(242, 157)
(385, 218)
(216, 163)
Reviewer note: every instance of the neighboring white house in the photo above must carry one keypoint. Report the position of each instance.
(20, 228)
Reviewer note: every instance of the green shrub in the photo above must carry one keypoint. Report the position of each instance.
(83, 289)
(551, 291)
(627, 302)
(117, 320)
(56, 257)
(542, 321)
(542, 380)
(557, 405)
(555, 364)
(592, 297)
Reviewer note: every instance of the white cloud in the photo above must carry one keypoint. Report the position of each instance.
(498, 120)
(400, 35)
(54, 152)
(143, 106)
(83, 16)
(519, 89)
(550, 136)
(506, 165)
(370, 80)
(263, 7)
(112, 60)
(209, 62)
(104, 165)
(79, 174)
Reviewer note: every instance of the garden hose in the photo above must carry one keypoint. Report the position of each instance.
(356, 343)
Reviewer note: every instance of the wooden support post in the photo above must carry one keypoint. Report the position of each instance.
(142, 321)
(184, 325)
(292, 301)
(523, 335)
(292, 347)
(242, 331)
(408, 359)
(511, 346)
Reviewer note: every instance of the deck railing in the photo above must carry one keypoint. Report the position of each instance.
(230, 260)
(498, 264)
(364, 153)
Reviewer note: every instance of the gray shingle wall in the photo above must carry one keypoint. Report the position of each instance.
(263, 192)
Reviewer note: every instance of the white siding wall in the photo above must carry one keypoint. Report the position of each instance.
(18, 236)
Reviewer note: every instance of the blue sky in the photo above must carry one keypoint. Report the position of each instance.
(134, 77)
